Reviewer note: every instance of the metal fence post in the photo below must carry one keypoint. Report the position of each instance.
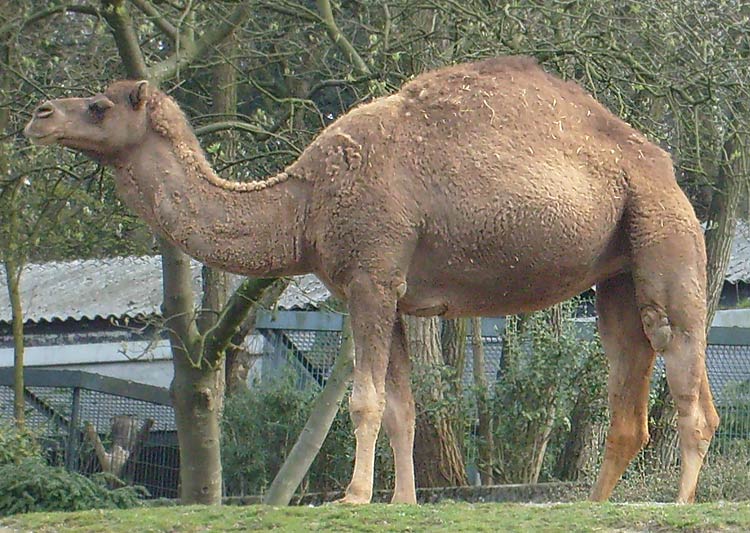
(74, 434)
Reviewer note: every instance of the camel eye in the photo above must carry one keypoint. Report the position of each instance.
(100, 105)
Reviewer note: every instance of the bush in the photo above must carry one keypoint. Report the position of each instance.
(548, 365)
(261, 425)
(726, 476)
(259, 428)
(16, 445)
(31, 485)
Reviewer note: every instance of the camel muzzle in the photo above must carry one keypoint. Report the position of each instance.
(44, 110)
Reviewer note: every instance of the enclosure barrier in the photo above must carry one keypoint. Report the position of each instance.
(63, 404)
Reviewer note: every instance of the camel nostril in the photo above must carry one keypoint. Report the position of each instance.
(44, 110)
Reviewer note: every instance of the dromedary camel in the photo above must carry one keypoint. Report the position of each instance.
(478, 189)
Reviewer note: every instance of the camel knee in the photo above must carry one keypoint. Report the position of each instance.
(656, 327)
(697, 428)
(627, 442)
(399, 416)
(366, 407)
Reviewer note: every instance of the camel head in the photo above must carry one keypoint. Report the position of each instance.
(101, 126)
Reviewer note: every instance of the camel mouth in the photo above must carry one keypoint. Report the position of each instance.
(41, 138)
(44, 140)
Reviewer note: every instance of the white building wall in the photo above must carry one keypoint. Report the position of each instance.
(139, 361)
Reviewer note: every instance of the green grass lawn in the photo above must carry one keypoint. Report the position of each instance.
(453, 517)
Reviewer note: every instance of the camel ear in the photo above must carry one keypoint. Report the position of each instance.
(138, 94)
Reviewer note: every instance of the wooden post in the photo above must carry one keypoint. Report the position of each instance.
(74, 436)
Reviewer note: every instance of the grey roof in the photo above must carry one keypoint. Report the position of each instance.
(118, 287)
(739, 264)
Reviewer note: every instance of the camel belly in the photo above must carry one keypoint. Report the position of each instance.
(524, 268)
(517, 244)
(505, 294)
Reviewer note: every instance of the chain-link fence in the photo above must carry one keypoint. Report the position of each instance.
(70, 411)
(728, 364)
(310, 351)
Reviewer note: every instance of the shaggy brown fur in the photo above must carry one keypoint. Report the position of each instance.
(478, 189)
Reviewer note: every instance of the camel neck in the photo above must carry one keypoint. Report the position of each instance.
(250, 232)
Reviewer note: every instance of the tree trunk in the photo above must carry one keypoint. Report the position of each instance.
(196, 387)
(486, 446)
(13, 275)
(126, 442)
(722, 222)
(196, 397)
(316, 428)
(12, 253)
(541, 431)
(238, 360)
(438, 459)
(581, 441)
(531, 396)
(198, 384)
(453, 343)
(540, 435)
(570, 461)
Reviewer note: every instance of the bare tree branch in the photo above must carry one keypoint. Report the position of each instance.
(338, 38)
(243, 126)
(119, 20)
(237, 308)
(193, 50)
(44, 13)
(158, 20)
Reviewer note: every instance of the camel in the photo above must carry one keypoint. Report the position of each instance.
(479, 189)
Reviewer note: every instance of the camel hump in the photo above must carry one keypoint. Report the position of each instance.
(504, 67)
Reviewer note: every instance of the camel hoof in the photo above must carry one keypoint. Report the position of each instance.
(404, 501)
(351, 499)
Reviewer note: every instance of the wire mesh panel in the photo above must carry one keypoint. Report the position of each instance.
(61, 415)
(729, 372)
(493, 358)
(729, 376)
(47, 409)
(155, 463)
(310, 354)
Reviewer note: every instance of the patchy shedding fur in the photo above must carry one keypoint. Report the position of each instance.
(486, 188)
(168, 120)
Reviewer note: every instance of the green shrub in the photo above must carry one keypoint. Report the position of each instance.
(259, 428)
(261, 425)
(726, 476)
(549, 364)
(31, 485)
(16, 445)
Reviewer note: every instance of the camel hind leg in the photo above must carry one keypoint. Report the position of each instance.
(631, 360)
(670, 291)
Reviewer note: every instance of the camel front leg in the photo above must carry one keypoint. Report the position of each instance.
(399, 417)
(373, 312)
